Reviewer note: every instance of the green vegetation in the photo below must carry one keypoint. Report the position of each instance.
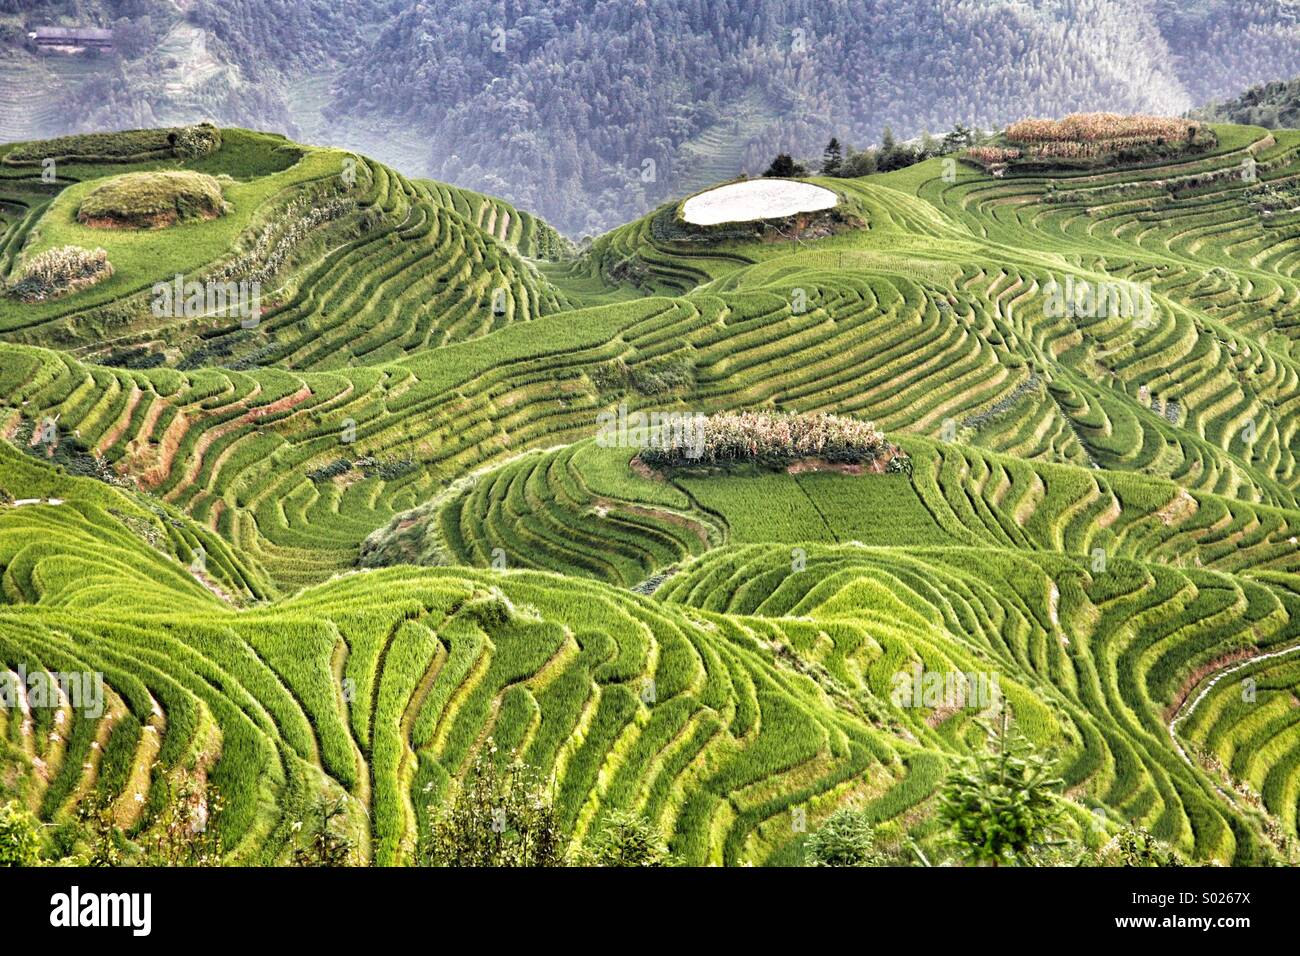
(704, 665)
(627, 839)
(497, 817)
(59, 272)
(1001, 807)
(1273, 105)
(20, 842)
(128, 146)
(144, 200)
(845, 839)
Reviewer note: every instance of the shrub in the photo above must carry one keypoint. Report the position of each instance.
(324, 842)
(339, 466)
(663, 375)
(499, 816)
(609, 376)
(59, 272)
(900, 464)
(1001, 807)
(106, 844)
(492, 609)
(785, 167)
(1135, 846)
(845, 839)
(193, 141)
(185, 831)
(20, 841)
(626, 839)
(388, 469)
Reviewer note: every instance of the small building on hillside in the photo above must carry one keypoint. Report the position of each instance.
(71, 39)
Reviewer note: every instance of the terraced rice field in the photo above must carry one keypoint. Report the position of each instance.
(411, 541)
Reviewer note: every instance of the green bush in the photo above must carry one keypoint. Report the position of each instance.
(1001, 807)
(662, 375)
(134, 145)
(845, 839)
(499, 816)
(20, 841)
(1135, 846)
(626, 839)
(491, 610)
(194, 141)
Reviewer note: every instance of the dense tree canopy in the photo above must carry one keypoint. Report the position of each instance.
(1272, 105)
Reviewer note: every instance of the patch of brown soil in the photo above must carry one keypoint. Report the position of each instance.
(1179, 509)
(1111, 514)
(348, 479)
(119, 427)
(212, 434)
(155, 474)
(821, 464)
(645, 471)
(212, 586)
(158, 220)
(1206, 669)
(137, 449)
(939, 715)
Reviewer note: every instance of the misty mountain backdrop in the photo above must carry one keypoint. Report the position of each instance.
(589, 112)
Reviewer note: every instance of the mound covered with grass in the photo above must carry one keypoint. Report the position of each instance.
(152, 200)
(124, 146)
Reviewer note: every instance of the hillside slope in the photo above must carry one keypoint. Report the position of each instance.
(1273, 105)
(715, 712)
(1100, 508)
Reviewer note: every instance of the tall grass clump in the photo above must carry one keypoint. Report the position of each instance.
(1096, 135)
(61, 271)
(769, 438)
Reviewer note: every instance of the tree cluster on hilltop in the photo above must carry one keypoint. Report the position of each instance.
(1271, 105)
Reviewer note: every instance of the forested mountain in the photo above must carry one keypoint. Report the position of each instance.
(590, 112)
(171, 63)
(578, 94)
